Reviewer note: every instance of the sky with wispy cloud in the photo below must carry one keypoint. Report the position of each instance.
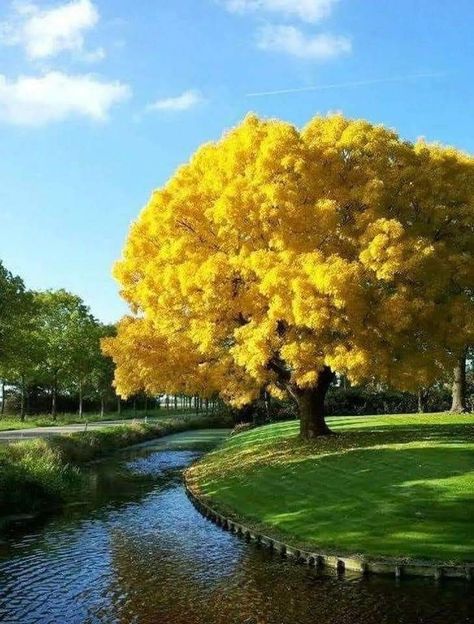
(100, 100)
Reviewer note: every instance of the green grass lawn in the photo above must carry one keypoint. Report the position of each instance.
(396, 485)
(7, 423)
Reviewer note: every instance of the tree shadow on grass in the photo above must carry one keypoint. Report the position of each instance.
(412, 501)
(254, 449)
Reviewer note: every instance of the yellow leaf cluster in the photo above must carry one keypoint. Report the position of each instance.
(338, 245)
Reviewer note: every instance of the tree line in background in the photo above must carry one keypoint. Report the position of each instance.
(50, 351)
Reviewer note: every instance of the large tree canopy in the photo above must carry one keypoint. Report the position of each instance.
(277, 256)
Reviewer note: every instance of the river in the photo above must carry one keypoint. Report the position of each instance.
(132, 549)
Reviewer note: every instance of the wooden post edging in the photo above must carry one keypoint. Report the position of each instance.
(343, 563)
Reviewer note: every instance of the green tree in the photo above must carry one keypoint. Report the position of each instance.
(25, 360)
(102, 368)
(84, 357)
(15, 317)
(12, 296)
(65, 327)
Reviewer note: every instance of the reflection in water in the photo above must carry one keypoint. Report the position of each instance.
(137, 552)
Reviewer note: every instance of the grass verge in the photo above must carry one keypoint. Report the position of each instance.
(396, 486)
(8, 423)
(39, 474)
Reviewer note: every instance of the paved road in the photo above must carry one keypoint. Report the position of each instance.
(45, 432)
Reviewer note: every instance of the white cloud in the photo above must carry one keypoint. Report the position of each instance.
(307, 10)
(55, 96)
(44, 33)
(291, 40)
(185, 101)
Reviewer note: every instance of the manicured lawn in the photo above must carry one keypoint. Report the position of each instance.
(393, 485)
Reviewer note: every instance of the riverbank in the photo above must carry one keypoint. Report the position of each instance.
(399, 487)
(36, 475)
(131, 548)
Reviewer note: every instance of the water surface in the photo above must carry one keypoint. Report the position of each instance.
(133, 549)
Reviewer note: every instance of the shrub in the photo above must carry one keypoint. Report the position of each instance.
(32, 475)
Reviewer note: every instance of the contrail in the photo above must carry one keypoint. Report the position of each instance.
(341, 85)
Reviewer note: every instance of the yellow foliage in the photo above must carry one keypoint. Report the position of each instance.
(339, 245)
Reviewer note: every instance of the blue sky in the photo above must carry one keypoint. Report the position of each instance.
(100, 100)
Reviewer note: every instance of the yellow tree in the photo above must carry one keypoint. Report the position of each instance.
(449, 214)
(277, 256)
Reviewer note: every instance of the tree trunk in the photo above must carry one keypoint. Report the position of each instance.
(267, 403)
(80, 411)
(22, 401)
(421, 401)
(3, 398)
(102, 407)
(119, 405)
(311, 406)
(458, 404)
(54, 396)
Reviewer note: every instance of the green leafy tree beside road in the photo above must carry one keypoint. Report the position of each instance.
(14, 300)
(17, 336)
(62, 324)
